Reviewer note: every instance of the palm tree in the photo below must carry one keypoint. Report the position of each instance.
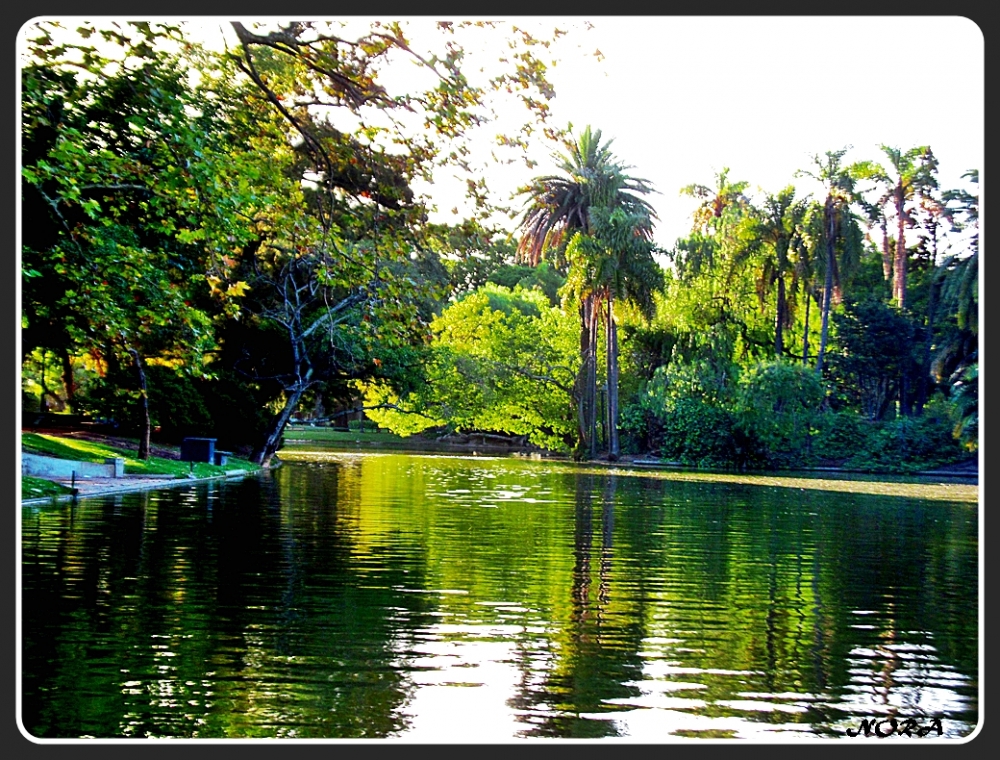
(615, 262)
(558, 207)
(957, 356)
(840, 231)
(715, 201)
(778, 229)
(912, 177)
(719, 211)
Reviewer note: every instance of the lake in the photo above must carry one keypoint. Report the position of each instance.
(456, 599)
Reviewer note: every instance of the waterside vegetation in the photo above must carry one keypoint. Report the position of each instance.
(219, 244)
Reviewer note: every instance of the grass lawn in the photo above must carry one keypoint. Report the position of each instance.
(34, 488)
(294, 434)
(82, 450)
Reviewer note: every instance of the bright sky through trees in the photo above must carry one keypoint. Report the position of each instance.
(685, 97)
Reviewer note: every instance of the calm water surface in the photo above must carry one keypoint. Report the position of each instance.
(459, 599)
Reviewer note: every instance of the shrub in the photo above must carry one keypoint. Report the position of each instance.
(698, 433)
(909, 444)
(840, 435)
(777, 405)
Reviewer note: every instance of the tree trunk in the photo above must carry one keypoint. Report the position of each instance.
(147, 424)
(899, 269)
(924, 388)
(585, 388)
(805, 332)
(43, 404)
(580, 385)
(591, 385)
(67, 368)
(264, 453)
(831, 235)
(779, 320)
(887, 265)
(614, 450)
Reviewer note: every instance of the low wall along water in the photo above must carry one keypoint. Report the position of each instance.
(34, 464)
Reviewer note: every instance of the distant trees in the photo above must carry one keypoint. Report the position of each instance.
(841, 234)
(874, 359)
(780, 232)
(911, 176)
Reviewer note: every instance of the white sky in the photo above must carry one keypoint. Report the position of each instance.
(684, 97)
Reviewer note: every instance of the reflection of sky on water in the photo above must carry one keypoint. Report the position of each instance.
(463, 680)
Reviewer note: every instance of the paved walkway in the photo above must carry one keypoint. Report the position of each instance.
(105, 486)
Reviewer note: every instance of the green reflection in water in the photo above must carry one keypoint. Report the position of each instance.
(447, 598)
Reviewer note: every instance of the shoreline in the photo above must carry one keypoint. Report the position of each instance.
(99, 486)
(87, 487)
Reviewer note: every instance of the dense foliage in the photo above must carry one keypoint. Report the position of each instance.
(214, 243)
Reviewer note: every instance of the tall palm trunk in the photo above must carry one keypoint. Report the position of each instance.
(924, 386)
(779, 320)
(594, 322)
(614, 449)
(831, 237)
(887, 265)
(899, 271)
(805, 331)
(586, 383)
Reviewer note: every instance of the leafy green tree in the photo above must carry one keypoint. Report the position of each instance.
(719, 287)
(126, 186)
(501, 361)
(962, 269)
(778, 403)
(316, 73)
(343, 267)
(470, 252)
(955, 363)
(876, 346)
(544, 277)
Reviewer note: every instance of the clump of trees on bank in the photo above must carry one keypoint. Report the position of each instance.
(215, 243)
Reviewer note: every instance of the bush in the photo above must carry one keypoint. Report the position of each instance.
(908, 444)
(695, 432)
(840, 435)
(905, 444)
(775, 420)
(777, 406)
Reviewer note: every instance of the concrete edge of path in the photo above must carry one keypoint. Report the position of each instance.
(87, 487)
